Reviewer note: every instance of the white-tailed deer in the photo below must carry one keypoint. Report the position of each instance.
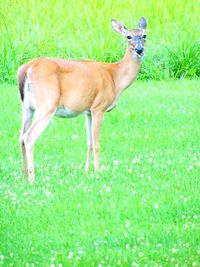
(67, 88)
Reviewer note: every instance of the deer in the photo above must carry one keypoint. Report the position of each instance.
(68, 88)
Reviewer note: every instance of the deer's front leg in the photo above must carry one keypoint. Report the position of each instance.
(97, 117)
(88, 124)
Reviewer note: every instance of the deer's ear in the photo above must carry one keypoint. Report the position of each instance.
(142, 23)
(118, 27)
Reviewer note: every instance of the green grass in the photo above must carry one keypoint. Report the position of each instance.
(82, 29)
(141, 209)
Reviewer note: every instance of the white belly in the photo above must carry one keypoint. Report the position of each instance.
(66, 112)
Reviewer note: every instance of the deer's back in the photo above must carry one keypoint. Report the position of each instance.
(77, 85)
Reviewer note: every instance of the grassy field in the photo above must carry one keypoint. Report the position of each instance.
(141, 209)
(82, 29)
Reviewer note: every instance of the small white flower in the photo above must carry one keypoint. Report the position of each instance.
(47, 193)
(136, 160)
(156, 206)
(127, 224)
(190, 167)
(127, 246)
(174, 250)
(140, 254)
(108, 189)
(116, 162)
(125, 234)
(134, 264)
(70, 255)
(119, 262)
(134, 193)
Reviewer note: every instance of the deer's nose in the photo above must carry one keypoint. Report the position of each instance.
(139, 50)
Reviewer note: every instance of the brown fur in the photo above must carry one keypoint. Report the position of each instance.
(78, 85)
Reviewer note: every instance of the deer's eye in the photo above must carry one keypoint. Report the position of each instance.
(144, 36)
(129, 37)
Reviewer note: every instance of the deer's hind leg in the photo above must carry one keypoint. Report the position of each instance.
(27, 115)
(39, 124)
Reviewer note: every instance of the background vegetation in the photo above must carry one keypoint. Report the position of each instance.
(81, 29)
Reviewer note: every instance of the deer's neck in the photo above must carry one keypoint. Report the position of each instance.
(125, 71)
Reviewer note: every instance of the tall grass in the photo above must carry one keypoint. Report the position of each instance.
(81, 29)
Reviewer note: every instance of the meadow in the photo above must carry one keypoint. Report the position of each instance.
(141, 209)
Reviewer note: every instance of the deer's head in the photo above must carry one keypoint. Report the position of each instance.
(136, 37)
